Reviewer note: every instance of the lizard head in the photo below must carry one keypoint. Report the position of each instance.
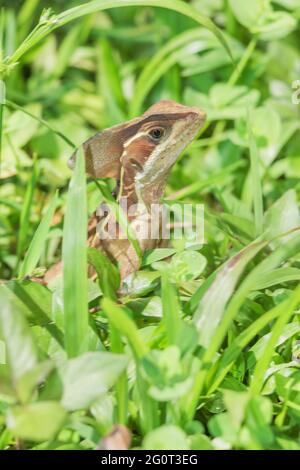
(145, 147)
(165, 130)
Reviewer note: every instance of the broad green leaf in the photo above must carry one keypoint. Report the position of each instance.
(21, 127)
(283, 216)
(36, 421)
(236, 403)
(248, 13)
(200, 442)
(221, 426)
(258, 418)
(35, 117)
(167, 437)
(31, 379)
(20, 345)
(213, 303)
(87, 377)
(153, 307)
(37, 305)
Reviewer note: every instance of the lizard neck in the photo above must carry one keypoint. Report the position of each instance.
(137, 194)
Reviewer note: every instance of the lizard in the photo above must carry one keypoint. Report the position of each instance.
(139, 154)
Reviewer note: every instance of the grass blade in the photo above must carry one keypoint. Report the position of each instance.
(230, 355)
(120, 320)
(171, 309)
(37, 243)
(108, 274)
(159, 64)
(211, 307)
(262, 364)
(74, 255)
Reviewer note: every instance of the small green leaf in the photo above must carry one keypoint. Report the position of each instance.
(184, 266)
(140, 283)
(89, 376)
(151, 256)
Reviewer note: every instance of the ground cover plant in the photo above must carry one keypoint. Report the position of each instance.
(202, 351)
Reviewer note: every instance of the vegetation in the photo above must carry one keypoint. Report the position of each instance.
(202, 352)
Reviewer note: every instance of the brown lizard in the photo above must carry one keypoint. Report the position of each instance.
(139, 154)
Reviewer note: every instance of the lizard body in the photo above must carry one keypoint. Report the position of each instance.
(139, 154)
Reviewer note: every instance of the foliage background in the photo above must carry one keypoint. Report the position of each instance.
(203, 354)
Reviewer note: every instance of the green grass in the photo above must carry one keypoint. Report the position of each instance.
(202, 349)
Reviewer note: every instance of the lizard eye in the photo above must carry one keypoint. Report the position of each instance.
(157, 133)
